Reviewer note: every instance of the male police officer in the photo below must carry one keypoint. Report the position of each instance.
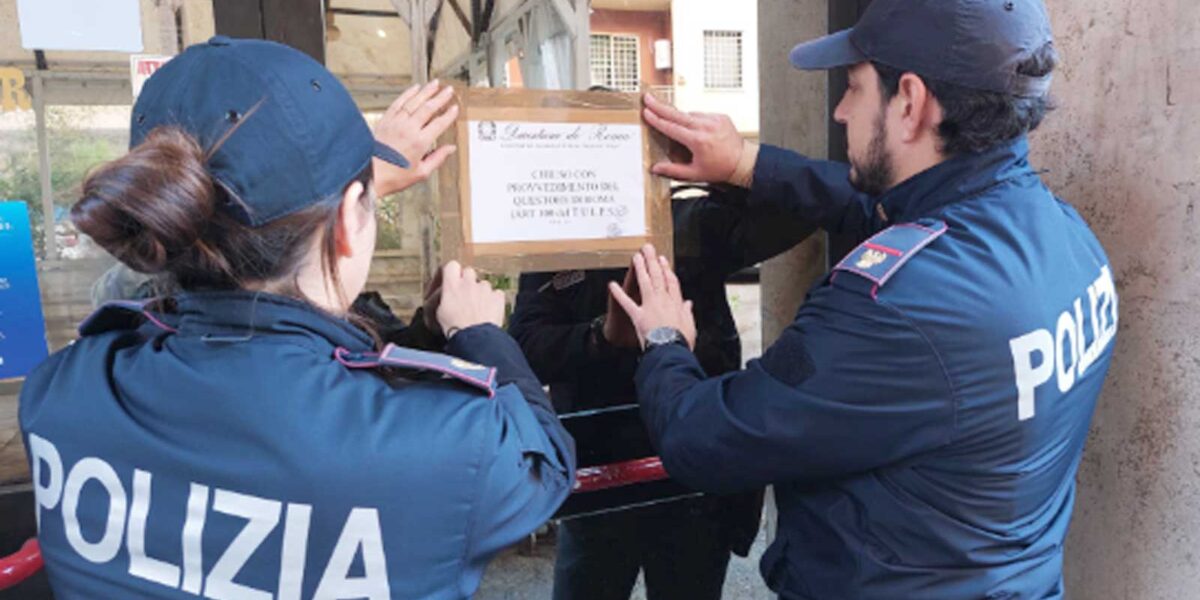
(924, 416)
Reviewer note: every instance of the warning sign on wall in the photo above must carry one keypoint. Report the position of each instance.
(141, 67)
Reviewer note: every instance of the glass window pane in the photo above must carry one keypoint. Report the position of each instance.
(723, 59)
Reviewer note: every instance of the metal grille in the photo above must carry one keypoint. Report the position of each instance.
(615, 62)
(723, 60)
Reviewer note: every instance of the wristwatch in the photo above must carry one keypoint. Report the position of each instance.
(664, 336)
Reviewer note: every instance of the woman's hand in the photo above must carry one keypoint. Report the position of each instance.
(411, 126)
(467, 301)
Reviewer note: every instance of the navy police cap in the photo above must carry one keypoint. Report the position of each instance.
(299, 137)
(975, 44)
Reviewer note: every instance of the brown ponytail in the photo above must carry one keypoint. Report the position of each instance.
(150, 206)
(158, 210)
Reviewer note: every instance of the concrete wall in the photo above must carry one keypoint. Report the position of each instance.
(1124, 148)
(793, 115)
(689, 20)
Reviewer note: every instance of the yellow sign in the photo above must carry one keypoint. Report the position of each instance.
(12, 90)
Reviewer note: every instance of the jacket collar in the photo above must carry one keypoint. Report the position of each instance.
(239, 316)
(958, 178)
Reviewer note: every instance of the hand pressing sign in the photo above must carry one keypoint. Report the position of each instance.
(662, 303)
(412, 125)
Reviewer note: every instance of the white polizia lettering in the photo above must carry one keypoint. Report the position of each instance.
(1068, 352)
(127, 520)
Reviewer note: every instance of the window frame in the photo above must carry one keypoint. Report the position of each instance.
(634, 85)
(714, 80)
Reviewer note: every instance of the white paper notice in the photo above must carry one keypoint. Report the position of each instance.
(534, 182)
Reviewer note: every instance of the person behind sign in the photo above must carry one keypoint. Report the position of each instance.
(247, 438)
(582, 345)
(924, 416)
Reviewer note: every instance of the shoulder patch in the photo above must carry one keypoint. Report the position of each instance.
(563, 280)
(880, 257)
(449, 367)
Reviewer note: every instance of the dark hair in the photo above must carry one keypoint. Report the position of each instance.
(974, 120)
(158, 210)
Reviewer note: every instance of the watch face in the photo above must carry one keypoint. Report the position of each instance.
(661, 336)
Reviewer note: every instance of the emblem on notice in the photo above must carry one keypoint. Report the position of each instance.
(871, 258)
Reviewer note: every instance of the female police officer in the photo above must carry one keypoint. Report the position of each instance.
(248, 441)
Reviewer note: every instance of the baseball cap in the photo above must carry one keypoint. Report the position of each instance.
(976, 44)
(299, 137)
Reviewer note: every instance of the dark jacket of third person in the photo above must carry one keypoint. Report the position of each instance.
(716, 235)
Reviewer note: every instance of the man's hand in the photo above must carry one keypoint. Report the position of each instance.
(718, 150)
(411, 126)
(467, 300)
(618, 328)
(662, 303)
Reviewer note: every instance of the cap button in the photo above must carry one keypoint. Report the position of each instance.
(220, 40)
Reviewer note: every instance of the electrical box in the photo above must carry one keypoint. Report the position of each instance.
(662, 54)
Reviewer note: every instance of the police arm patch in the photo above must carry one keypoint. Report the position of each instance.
(476, 376)
(880, 257)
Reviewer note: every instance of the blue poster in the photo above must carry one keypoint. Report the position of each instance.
(22, 325)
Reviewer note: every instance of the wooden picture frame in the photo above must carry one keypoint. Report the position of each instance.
(539, 106)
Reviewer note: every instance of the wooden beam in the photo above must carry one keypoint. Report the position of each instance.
(476, 18)
(359, 12)
(462, 16)
(497, 59)
(485, 20)
(418, 38)
(581, 35)
(297, 23)
(239, 18)
(43, 150)
(404, 8)
(434, 13)
(566, 13)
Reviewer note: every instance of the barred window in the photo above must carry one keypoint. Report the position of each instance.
(723, 60)
(615, 62)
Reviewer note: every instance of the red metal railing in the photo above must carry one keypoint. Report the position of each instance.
(20, 566)
(644, 470)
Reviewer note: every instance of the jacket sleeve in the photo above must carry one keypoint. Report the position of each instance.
(490, 345)
(527, 471)
(724, 233)
(557, 343)
(816, 191)
(850, 386)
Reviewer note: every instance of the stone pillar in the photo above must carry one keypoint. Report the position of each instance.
(793, 114)
(1124, 149)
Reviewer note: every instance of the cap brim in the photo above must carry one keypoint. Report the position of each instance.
(386, 153)
(830, 52)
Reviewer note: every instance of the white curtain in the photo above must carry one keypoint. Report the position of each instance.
(547, 61)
